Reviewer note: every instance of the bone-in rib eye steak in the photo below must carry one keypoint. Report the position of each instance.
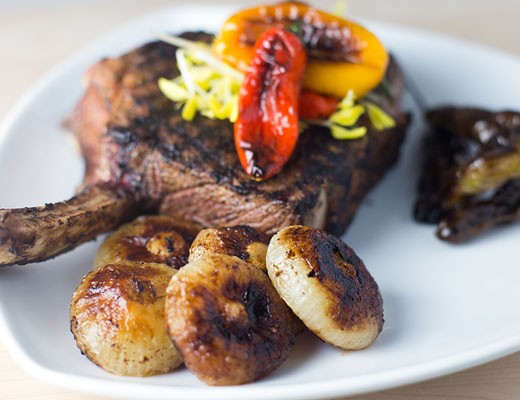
(142, 157)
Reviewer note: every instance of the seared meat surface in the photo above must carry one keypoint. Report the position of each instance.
(135, 142)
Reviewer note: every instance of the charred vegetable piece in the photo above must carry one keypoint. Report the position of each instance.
(336, 47)
(488, 173)
(227, 320)
(117, 318)
(471, 175)
(240, 241)
(479, 216)
(266, 130)
(157, 239)
(326, 285)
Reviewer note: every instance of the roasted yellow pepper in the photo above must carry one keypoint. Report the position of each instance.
(342, 55)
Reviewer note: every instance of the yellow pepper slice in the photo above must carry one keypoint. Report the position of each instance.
(342, 55)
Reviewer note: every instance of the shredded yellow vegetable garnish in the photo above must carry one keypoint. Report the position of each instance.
(338, 132)
(378, 117)
(347, 116)
(342, 122)
(206, 84)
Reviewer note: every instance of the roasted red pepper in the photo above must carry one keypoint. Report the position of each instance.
(266, 130)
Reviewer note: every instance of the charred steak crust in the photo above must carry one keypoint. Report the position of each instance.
(190, 169)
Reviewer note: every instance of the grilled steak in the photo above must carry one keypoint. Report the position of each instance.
(140, 153)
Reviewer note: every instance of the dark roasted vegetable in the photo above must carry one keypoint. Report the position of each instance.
(471, 174)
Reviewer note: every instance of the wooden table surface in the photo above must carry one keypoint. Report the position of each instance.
(36, 35)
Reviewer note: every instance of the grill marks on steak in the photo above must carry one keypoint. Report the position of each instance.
(133, 139)
(197, 160)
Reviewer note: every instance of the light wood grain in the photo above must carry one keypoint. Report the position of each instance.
(34, 40)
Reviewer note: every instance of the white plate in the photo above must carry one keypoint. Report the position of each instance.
(446, 307)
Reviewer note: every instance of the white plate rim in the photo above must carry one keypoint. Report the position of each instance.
(330, 389)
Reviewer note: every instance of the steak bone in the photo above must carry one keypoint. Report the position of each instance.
(34, 234)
